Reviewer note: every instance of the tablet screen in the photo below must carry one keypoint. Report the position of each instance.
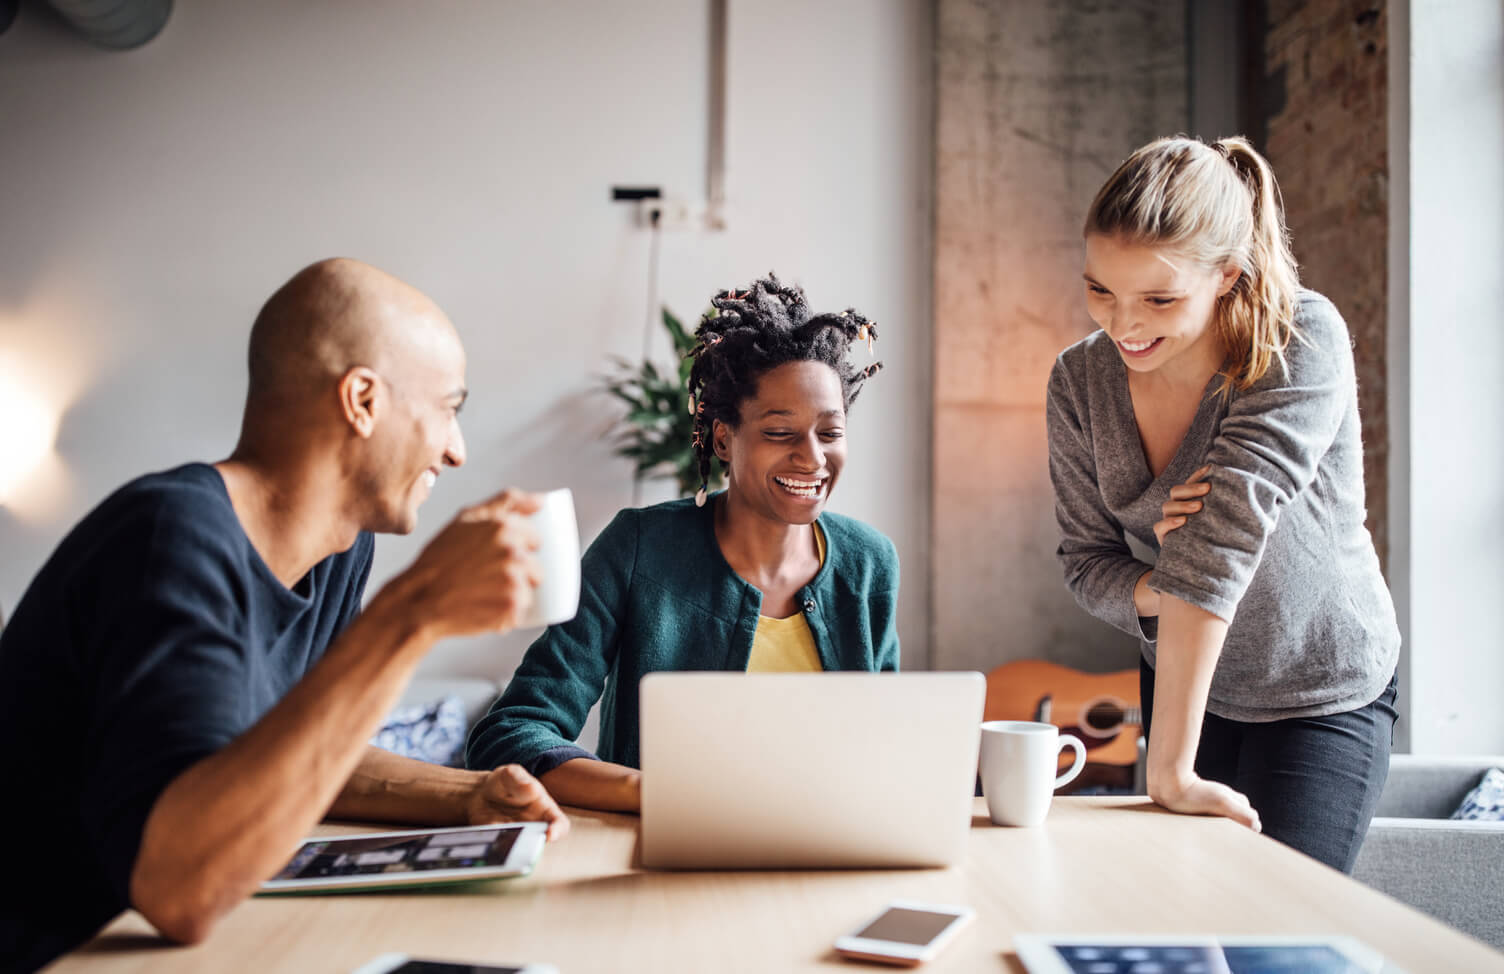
(373, 855)
(1103, 958)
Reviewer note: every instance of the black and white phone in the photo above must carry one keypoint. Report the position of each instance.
(403, 964)
(907, 933)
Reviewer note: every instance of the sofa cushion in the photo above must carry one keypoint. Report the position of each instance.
(432, 732)
(1484, 803)
(475, 693)
(1431, 786)
(1452, 870)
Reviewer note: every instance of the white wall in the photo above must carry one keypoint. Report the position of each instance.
(152, 199)
(1455, 574)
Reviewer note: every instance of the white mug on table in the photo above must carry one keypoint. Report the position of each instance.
(1018, 763)
(558, 594)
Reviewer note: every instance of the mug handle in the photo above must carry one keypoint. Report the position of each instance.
(1066, 741)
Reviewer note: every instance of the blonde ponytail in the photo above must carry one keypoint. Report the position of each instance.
(1215, 204)
(1257, 316)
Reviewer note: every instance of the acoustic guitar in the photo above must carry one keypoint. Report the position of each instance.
(1102, 709)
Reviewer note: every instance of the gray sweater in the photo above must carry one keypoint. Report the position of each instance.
(1279, 550)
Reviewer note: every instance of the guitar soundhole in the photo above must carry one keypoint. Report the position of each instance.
(1104, 717)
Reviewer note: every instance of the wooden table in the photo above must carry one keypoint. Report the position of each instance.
(1097, 865)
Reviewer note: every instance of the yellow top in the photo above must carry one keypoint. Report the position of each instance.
(786, 645)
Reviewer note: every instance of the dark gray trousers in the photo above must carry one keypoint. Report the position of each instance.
(1314, 781)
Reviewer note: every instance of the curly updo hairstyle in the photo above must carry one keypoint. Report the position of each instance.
(748, 333)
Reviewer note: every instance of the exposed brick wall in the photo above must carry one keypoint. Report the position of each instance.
(1327, 139)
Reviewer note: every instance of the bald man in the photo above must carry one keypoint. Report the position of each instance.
(189, 683)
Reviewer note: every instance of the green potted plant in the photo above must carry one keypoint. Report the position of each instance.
(656, 430)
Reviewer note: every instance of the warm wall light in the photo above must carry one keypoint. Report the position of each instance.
(52, 348)
(28, 429)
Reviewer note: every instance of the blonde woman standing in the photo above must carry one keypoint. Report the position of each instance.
(1215, 418)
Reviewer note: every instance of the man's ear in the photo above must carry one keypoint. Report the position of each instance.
(362, 400)
(720, 434)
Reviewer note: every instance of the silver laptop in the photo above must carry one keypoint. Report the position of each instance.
(807, 770)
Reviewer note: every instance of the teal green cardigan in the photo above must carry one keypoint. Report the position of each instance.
(656, 594)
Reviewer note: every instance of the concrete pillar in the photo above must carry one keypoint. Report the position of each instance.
(1037, 104)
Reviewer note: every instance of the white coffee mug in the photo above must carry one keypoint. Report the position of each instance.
(1018, 763)
(558, 593)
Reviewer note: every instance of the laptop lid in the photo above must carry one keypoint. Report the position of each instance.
(812, 769)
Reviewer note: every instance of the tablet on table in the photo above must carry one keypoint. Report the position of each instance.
(1119, 954)
(415, 857)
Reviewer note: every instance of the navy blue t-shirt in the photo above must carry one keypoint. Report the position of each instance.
(152, 637)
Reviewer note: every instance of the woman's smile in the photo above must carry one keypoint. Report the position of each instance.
(1139, 349)
(802, 487)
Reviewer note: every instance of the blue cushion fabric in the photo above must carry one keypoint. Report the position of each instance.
(1484, 803)
(432, 732)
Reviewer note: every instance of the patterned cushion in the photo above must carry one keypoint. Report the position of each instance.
(1484, 803)
(432, 732)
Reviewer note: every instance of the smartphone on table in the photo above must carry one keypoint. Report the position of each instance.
(403, 964)
(907, 933)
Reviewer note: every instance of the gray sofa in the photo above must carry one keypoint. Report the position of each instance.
(475, 694)
(1414, 852)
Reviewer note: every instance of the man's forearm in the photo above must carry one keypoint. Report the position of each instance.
(1190, 642)
(231, 820)
(387, 788)
(595, 784)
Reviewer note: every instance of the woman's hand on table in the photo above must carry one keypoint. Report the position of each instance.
(1194, 795)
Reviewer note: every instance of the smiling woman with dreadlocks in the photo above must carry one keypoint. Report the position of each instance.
(758, 577)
